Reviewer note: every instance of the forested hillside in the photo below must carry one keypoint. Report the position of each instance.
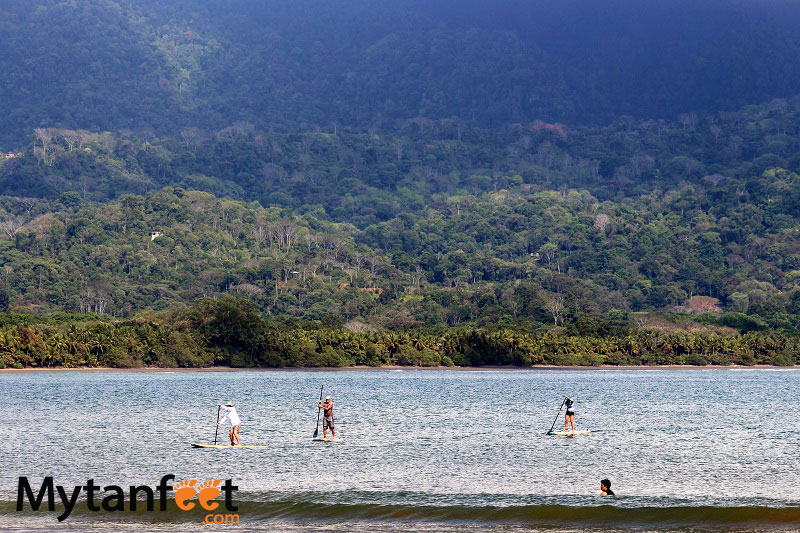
(363, 178)
(436, 182)
(513, 255)
(110, 65)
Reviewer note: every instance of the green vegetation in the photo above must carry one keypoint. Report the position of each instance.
(231, 332)
(433, 245)
(429, 171)
(363, 178)
(149, 65)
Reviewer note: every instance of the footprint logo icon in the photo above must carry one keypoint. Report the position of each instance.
(184, 491)
(208, 491)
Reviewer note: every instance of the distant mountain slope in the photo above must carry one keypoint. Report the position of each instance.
(115, 64)
(362, 178)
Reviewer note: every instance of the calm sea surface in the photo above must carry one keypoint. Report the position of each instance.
(422, 450)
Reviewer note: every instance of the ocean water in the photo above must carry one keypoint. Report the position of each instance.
(421, 450)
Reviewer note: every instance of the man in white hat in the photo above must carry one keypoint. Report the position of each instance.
(230, 414)
(327, 420)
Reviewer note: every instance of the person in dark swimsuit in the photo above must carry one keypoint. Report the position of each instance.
(569, 417)
(605, 488)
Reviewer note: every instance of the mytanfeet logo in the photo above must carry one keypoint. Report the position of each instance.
(112, 498)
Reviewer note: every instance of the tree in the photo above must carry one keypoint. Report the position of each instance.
(554, 303)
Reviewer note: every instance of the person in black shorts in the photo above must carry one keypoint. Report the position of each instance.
(569, 416)
(605, 488)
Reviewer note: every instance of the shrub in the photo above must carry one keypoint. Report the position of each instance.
(590, 359)
(271, 359)
(696, 359)
(238, 359)
(429, 358)
(408, 356)
(783, 359)
(721, 359)
(744, 323)
(330, 356)
(616, 358)
(301, 352)
(117, 357)
(376, 355)
(562, 359)
(460, 359)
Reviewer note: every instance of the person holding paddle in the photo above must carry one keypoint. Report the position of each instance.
(232, 417)
(569, 416)
(327, 419)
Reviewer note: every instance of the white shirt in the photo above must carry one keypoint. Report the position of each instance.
(231, 415)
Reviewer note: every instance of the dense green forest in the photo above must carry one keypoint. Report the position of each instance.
(399, 182)
(109, 65)
(363, 178)
(528, 225)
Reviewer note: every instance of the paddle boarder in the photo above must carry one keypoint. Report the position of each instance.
(230, 414)
(605, 488)
(327, 419)
(569, 417)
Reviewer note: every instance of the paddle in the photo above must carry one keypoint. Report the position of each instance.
(216, 429)
(556, 419)
(319, 409)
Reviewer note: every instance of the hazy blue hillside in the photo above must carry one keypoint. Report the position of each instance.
(114, 64)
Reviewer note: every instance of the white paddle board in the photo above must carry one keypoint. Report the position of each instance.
(221, 446)
(571, 433)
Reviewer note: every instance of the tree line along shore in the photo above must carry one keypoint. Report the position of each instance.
(232, 332)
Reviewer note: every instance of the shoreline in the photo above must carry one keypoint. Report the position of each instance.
(362, 368)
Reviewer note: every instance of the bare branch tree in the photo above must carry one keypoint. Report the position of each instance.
(601, 222)
(192, 137)
(44, 136)
(714, 179)
(11, 227)
(555, 306)
(260, 233)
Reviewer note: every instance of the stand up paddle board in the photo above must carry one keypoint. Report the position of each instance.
(571, 433)
(327, 440)
(221, 446)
